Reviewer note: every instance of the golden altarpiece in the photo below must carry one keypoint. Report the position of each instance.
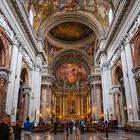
(71, 98)
(71, 106)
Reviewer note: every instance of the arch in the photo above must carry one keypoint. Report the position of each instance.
(137, 50)
(4, 50)
(4, 65)
(31, 14)
(61, 17)
(118, 74)
(24, 77)
(120, 98)
(23, 98)
(117, 68)
(85, 58)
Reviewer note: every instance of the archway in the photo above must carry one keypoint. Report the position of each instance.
(23, 97)
(4, 71)
(120, 99)
(136, 60)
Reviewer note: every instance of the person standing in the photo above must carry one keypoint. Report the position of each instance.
(106, 128)
(82, 126)
(27, 129)
(17, 130)
(71, 126)
(55, 127)
(67, 127)
(5, 127)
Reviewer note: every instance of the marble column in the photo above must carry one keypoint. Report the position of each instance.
(3, 85)
(117, 108)
(127, 84)
(136, 72)
(13, 84)
(49, 103)
(106, 87)
(34, 110)
(78, 106)
(26, 95)
(132, 83)
(43, 101)
(47, 80)
(96, 100)
(64, 106)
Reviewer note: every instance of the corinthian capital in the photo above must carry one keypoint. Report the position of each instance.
(4, 73)
(136, 72)
(26, 90)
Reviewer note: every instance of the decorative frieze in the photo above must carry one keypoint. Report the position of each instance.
(47, 79)
(131, 32)
(5, 26)
(94, 79)
(115, 57)
(16, 39)
(135, 26)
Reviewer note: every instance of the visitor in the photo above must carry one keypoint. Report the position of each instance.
(55, 127)
(106, 128)
(77, 133)
(71, 126)
(17, 130)
(5, 127)
(82, 126)
(27, 129)
(67, 127)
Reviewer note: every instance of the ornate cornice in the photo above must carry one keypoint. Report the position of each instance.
(95, 79)
(117, 25)
(16, 40)
(15, 4)
(19, 10)
(130, 33)
(5, 26)
(47, 79)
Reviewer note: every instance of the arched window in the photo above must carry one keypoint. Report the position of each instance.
(110, 16)
(31, 15)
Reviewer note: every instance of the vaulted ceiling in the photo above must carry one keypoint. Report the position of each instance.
(43, 9)
(71, 30)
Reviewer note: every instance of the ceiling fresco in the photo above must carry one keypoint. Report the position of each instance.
(71, 73)
(44, 8)
(71, 31)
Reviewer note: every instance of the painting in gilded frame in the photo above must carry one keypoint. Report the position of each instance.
(71, 105)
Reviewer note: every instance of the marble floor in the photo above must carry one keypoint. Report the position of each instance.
(118, 135)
